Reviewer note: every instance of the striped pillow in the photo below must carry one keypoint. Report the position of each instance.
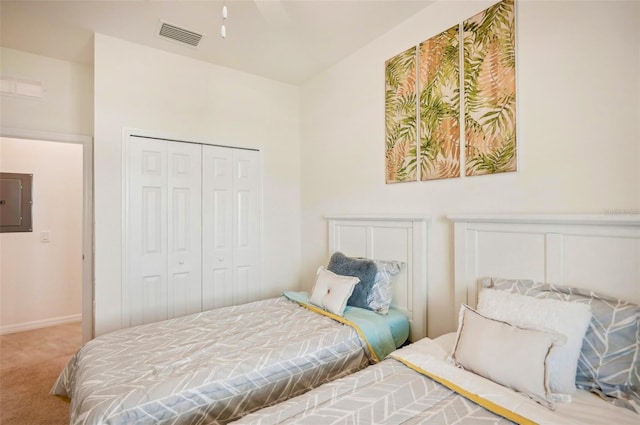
(608, 363)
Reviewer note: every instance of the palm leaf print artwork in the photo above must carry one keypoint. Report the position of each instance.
(423, 101)
(490, 90)
(400, 117)
(439, 107)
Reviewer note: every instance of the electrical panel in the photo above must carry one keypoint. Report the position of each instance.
(15, 202)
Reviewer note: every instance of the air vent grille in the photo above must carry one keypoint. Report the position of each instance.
(179, 34)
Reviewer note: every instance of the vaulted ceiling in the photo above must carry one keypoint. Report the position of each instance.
(284, 40)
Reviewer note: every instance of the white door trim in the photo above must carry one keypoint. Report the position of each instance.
(87, 213)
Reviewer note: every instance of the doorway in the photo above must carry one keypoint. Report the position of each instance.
(82, 258)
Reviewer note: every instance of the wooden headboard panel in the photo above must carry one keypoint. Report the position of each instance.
(401, 238)
(596, 252)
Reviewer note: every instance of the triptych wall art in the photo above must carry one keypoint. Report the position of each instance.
(468, 69)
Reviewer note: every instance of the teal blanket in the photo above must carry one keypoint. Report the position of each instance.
(372, 327)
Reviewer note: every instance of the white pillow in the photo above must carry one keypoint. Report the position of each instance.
(514, 357)
(447, 341)
(566, 318)
(331, 291)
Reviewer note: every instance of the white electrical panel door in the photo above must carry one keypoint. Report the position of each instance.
(163, 232)
(231, 227)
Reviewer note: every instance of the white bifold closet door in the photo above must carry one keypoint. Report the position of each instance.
(193, 229)
(164, 230)
(230, 227)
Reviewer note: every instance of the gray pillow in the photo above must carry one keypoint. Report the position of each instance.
(363, 269)
(608, 363)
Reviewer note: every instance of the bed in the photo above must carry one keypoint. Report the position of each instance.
(501, 266)
(218, 365)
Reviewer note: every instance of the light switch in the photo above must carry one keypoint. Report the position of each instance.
(45, 236)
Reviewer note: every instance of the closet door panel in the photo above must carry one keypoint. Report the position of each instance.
(154, 300)
(243, 286)
(217, 227)
(185, 228)
(146, 287)
(183, 300)
(247, 225)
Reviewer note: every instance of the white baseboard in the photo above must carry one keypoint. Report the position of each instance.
(37, 324)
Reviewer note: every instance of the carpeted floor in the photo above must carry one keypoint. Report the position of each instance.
(30, 363)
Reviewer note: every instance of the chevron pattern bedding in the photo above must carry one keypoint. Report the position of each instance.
(608, 363)
(387, 393)
(211, 367)
(417, 384)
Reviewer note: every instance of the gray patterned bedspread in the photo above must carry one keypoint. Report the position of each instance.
(385, 393)
(405, 389)
(211, 367)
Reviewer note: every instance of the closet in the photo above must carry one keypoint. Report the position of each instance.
(192, 228)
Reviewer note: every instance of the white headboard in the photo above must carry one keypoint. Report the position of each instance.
(596, 252)
(402, 238)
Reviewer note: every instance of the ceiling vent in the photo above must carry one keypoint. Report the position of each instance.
(21, 87)
(180, 35)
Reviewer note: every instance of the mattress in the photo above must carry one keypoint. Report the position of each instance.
(213, 366)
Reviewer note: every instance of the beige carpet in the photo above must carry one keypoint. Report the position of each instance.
(30, 363)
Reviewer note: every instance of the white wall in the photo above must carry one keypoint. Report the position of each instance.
(41, 283)
(148, 89)
(578, 88)
(64, 113)
(67, 106)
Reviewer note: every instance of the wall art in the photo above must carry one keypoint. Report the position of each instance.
(400, 117)
(490, 90)
(439, 106)
(424, 101)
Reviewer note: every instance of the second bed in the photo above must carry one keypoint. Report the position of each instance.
(216, 366)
